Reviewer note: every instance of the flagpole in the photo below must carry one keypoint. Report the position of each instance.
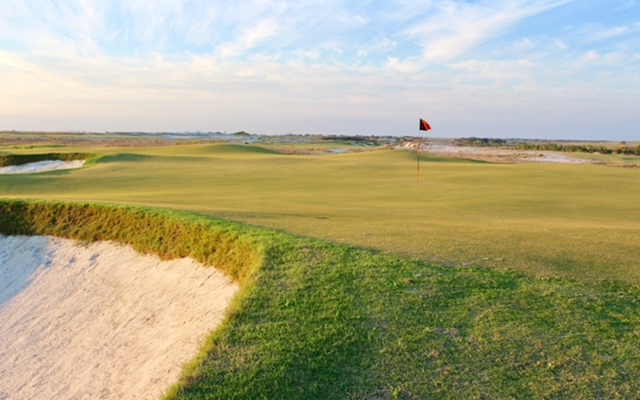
(424, 126)
(419, 146)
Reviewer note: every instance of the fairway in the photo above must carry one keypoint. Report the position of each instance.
(481, 281)
(578, 221)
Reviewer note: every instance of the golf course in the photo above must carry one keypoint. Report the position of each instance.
(479, 280)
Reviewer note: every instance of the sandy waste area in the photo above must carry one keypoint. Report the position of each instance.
(98, 320)
(41, 166)
(494, 154)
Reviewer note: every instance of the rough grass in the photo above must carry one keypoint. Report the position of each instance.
(320, 320)
(21, 159)
(168, 235)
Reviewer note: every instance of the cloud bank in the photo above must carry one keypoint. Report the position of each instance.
(502, 68)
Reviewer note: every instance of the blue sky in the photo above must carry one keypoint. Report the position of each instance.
(557, 69)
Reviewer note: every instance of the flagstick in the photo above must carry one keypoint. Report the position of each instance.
(424, 126)
(419, 145)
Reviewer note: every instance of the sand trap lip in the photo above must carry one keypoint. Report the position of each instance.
(41, 166)
(99, 320)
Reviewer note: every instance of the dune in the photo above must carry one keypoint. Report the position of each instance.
(99, 320)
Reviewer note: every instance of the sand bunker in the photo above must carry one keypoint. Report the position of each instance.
(496, 154)
(41, 166)
(99, 320)
(503, 155)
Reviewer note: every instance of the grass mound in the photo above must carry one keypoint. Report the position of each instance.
(237, 149)
(199, 150)
(319, 320)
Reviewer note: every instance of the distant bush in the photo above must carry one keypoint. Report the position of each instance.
(577, 148)
(549, 146)
(480, 142)
(628, 150)
(356, 138)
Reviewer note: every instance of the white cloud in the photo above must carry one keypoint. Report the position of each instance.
(404, 66)
(524, 44)
(598, 32)
(459, 27)
(624, 5)
(201, 65)
(590, 55)
(560, 45)
(249, 38)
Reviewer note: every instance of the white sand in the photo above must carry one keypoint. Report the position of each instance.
(41, 166)
(99, 321)
(496, 154)
(506, 154)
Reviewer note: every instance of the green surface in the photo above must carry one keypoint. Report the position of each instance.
(323, 319)
(578, 221)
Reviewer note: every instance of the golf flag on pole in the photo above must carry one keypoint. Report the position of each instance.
(424, 126)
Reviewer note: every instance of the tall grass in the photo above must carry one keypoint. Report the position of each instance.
(168, 235)
(315, 319)
(21, 159)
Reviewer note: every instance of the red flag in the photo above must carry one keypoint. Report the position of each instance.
(424, 125)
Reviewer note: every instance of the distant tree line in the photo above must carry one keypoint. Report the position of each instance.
(480, 142)
(357, 138)
(549, 146)
(582, 148)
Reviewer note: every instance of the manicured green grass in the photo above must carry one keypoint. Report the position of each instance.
(316, 319)
(414, 317)
(577, 221)
(320, 320)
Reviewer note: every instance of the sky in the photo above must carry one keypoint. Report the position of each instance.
(547, 69)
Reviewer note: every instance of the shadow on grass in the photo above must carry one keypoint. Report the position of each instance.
(123, 157)
(429, 158)
(235, 149)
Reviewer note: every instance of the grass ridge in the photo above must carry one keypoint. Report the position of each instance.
(151, 231)
(21, 159)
